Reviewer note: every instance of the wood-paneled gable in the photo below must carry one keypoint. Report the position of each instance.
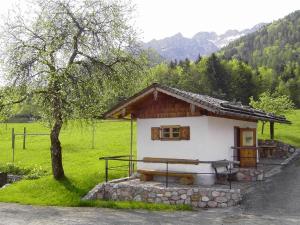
(164, 106)
(161, 105)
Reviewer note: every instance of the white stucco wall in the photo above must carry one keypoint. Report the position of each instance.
(221, 137)
(211, 139)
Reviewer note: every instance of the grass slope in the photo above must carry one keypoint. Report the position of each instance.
(286, 133)
(82, 168)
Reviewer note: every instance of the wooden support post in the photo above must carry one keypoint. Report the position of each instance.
(24, 138)
(271, 130)
(13, 144)
(131, 143)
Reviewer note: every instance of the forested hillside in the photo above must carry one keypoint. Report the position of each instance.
(267, 60)
(274, 46)
(225, 79)
(274, 51)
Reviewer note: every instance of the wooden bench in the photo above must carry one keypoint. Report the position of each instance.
(184, 177)
(226, 174)
(267, 151)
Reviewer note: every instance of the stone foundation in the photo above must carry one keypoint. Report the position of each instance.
(250, 174)
(134, 190)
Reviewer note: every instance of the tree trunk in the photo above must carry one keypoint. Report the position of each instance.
(56, 156)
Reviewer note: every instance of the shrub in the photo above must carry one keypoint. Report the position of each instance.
(29, 173)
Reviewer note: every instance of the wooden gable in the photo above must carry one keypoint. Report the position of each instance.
(160, 105)
(158, 101)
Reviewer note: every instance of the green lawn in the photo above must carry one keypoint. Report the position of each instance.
(286, 133)
(82, 168)
(81, 163)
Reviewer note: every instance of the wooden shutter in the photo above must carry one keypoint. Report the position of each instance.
(155, 133)
(185, 133)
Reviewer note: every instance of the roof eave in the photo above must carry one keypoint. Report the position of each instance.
(155, 86)
(120, 106)
(220, 110)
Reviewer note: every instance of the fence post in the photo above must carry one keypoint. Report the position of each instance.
(129, 167)
(13, 144)
(133, 167)
(106, 170)
(24, 138)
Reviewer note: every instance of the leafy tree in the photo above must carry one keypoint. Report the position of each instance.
(242, 84)
(64, 54)
(217, 76)
(198, 59)
(268, 79)
(172, 64)
(272, 103)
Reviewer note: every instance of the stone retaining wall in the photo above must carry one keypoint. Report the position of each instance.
(195, 196)
(250, 174)
(283, 150)
(11, 178)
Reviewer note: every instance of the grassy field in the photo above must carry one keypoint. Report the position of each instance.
(82, 168)
(81, 163)
(287, 133)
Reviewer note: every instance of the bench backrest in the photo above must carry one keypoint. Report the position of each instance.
(171, 160)
(220, 164)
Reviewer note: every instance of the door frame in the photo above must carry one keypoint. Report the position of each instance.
(237, 144)
(239, 141)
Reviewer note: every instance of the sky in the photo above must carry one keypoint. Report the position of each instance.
(156, 19)
(162, 18)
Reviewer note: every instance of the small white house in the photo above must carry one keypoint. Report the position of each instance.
(175, 124)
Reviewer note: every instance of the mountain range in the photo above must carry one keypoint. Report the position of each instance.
(203, 43)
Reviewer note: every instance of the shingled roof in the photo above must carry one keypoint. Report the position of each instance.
(217, 106)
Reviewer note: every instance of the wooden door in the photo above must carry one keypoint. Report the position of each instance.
(248, 156)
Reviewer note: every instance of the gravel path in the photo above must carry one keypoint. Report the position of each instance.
(13, 214)
(276, 201)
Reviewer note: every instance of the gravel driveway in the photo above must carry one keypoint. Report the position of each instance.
(276, 201)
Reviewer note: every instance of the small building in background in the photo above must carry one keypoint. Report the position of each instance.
(175, 124)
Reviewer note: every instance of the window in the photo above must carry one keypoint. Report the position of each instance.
(170, 132)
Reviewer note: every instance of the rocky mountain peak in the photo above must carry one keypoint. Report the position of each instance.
(203, 43)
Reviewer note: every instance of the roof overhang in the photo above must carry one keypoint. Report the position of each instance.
(122, 110)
